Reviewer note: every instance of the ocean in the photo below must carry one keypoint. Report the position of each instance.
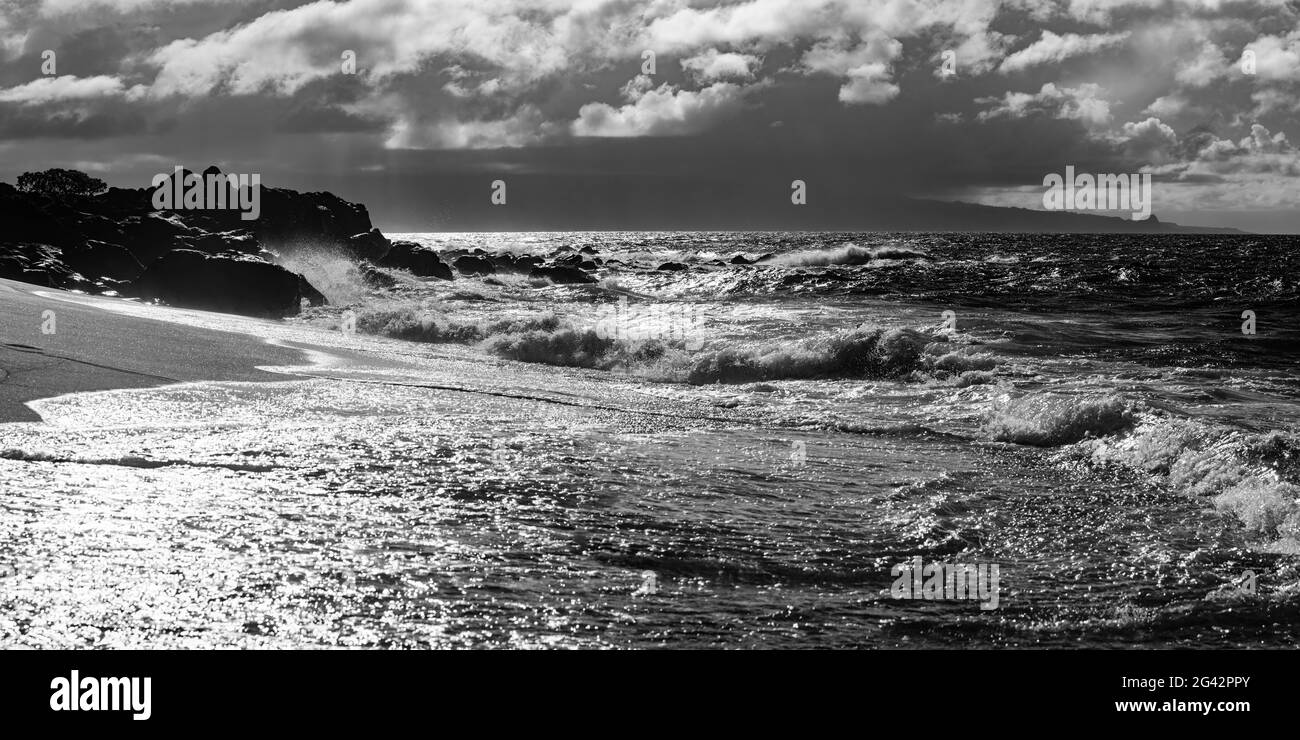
(736, 440)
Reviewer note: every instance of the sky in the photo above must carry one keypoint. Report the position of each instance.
(664, 113)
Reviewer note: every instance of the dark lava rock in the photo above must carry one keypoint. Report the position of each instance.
(370, 245)
(671, 267)
(289, 218)
(242, 242)
(505, 262)
(561, 274)
(96, 258)
(523, 263)
(740, 259)
(474, 266)
(229, 283)
(40, 264)
(417, 260)
(151, 235)
(94, 243)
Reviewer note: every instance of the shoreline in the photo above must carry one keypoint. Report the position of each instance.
(94, 349)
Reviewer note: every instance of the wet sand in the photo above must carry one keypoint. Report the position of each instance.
(93, 349)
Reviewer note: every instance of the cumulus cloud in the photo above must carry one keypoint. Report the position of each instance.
(489, 74)
(69, 7)
(1083, 103)
(1277, 58)
(525, 42)
(1259, 151)
(713, 65)
(866, 67)
(11, 40)
(662, 111)
(1051, 48)
(1166, 106)
(68, 87)
(1271, 100)
(1206, 67)
(1148, 142)
(282, 50)
(1103, 11)
(1258, 171)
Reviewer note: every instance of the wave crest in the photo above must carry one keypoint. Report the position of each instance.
(1051, 420)
(1254, 477)
(849, 254)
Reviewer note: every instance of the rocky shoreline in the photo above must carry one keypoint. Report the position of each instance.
(118, 243)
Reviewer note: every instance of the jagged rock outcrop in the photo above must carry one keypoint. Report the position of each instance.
(99, 243)
(40, 264)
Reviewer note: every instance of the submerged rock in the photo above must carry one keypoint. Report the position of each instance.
(562, 274)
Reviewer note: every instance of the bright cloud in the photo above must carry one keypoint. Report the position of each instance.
(1083, 103)
(68, 87)
(1051, 48)
(713, 65)
(661, 111)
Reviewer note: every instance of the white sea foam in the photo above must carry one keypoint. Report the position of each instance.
(849, 254)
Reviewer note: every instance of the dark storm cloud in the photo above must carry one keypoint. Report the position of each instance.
(70, 124)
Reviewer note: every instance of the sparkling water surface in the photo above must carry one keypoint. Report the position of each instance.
(1097, 425)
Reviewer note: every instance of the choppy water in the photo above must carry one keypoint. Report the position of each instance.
(736, 455)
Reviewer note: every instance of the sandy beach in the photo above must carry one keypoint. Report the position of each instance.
(94, 349)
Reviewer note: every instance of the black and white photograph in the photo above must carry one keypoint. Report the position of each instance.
(650, 325)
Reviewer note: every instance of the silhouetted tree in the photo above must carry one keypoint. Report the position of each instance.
(60, 182)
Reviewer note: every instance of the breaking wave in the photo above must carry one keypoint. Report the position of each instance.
(849, 254)
(334, 274)
(865, 352)
(1051, 420)
(1254, 477)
